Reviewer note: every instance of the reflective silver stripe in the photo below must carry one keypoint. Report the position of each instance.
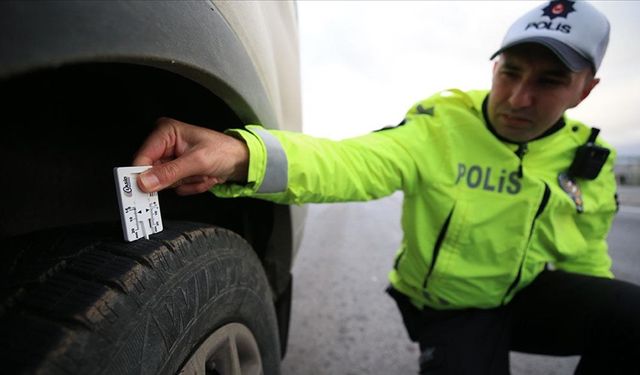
(275, 175)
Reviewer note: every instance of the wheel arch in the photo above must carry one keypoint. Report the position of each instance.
(52, 57)
(191, 39)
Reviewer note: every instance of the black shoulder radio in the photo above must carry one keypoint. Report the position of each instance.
(589, 159)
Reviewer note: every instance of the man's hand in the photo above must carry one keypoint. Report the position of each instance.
(190, 158)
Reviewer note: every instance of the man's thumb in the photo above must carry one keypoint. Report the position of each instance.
(148, 181)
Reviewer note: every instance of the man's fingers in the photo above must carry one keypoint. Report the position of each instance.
(194, 180)
(197, 188)
(142, 160)
(189, 158)
(190, 180)
(160, 144)
(148, 182)
(167, 174)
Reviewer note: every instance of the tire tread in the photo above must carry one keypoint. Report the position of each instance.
(75, 285)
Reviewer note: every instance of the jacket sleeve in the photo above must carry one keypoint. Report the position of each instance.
(294, 168)
(594, 225)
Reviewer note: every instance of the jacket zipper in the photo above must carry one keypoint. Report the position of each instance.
(436, 247)
(541, 207)
(522, 149)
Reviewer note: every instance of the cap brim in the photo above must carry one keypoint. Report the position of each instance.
(572, 59)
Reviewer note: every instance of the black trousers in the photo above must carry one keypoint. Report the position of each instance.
(560, 314)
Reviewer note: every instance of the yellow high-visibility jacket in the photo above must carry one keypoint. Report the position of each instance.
(481, 216)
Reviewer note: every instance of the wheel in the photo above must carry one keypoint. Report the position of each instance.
(193, 299)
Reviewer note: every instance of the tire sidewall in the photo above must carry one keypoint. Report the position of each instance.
(247, 301)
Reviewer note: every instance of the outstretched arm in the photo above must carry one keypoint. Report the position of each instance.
(190, 158)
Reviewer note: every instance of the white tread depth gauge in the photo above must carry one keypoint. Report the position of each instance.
(139, 211)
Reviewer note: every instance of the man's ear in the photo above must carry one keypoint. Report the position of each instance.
(587, 88)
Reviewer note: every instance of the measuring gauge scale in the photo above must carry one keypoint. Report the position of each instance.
(139, 211)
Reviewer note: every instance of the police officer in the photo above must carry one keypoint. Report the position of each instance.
(508, 202)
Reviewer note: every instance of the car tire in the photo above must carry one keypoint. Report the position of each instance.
(193, 299)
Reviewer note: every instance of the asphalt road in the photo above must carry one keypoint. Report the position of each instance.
(342, 321)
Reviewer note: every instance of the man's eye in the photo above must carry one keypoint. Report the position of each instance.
(509, 73)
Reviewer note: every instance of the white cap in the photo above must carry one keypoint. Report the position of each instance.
(574, 30)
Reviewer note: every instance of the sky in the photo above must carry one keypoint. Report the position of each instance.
(365, 63)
